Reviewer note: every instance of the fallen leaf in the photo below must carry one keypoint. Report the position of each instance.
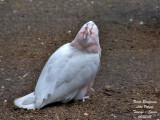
(103, 63)
(117, 67)
(109, 5)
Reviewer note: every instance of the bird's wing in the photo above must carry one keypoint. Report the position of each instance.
(51, 70)
(78, 73)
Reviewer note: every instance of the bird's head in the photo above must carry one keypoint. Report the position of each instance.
(88, 38)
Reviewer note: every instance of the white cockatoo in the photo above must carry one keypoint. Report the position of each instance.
(69, 73)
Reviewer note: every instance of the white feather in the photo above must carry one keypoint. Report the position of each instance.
(27, 101)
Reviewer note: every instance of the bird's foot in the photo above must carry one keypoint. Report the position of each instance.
(85, 97)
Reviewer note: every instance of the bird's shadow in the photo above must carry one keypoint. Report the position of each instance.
(57, 104)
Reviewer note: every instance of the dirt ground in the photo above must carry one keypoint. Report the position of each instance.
(31, 30)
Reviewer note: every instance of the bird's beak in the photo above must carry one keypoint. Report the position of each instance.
(87, 28)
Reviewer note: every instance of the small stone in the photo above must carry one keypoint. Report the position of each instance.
(109, 90)
(108, 87)
(2, 87)
(8, 79)
(92, 2)
(28, 27)
(69, 32)
(15, 11)
(141, 22)
(5, 101)
(113, 115)
(131, 20)
(86, 114)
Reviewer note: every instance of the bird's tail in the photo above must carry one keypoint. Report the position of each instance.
(27, 101)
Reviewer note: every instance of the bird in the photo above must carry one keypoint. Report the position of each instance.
(69, 72)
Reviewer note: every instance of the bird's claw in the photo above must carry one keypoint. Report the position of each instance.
(85, 97)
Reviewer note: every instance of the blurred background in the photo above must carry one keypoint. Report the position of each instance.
(129, 31)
